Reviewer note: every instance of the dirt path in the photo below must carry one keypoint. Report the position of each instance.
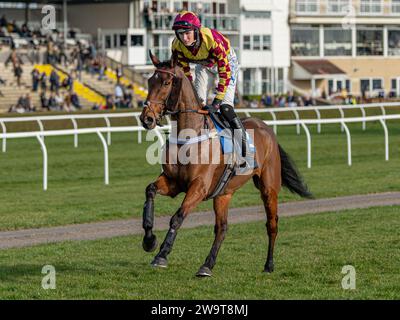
(109, 229)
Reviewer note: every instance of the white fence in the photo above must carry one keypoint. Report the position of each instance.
(39, 135)
(273, 111)
(303, 123)
(317, 109)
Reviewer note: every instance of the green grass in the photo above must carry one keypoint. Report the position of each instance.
(77, 193)
(310, 253)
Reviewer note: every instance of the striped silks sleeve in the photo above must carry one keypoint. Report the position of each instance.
(182, 61)
(224, 69)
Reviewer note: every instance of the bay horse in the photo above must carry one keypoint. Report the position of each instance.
(170, 91)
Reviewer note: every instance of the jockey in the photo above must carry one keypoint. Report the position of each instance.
(213, 55)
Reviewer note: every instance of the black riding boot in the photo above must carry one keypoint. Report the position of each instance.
(237, 124)
(229, 115)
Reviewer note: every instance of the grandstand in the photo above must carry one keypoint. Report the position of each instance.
(67, 51)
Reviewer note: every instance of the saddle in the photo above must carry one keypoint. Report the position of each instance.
(229, 146)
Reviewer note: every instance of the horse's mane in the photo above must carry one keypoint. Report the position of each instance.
(167, 64)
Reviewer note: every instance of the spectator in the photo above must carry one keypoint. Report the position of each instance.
(102, 68)
(59, 99)
(28, 105)
(67, 105)
(54, 81)
(109, 102)
(14, 58)
(24, 104)
(18, 73)
(35, 79)
(253, 104)
(44, 102)
(282, 101)
(308, 101)
(300, 102)
(118, 73)
(52, 103)
(3, 21)
(291, 99)
(43, 81)
(68, 83)
(119, 95)
(75, 100)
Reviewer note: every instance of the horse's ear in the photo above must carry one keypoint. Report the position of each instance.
(175, 93)
(154, 59)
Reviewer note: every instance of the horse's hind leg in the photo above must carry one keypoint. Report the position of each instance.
(269, 195)
(163, 186)
(221, 204)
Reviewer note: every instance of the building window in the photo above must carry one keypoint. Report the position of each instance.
(136, 40)
(305, 41)
(377, 84)
(266, 80)
(257, 14)
(370, 42)
(371, 86)
(266, 44)
(248, 82)
(337, 42)
(348, 86)
(246, 43)
(395, 88)
(365, 86)
(370, 6)
(396, 6)
(256, 42)
(394, 42)
(307, 6)
(338, 6)
(336, 86)
(108, 42)
(122, 40)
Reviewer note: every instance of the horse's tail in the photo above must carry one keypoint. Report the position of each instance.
(291, 177)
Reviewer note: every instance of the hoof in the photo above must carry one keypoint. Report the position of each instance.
(204, 272)
(269, 268)
(150, 244)
(159, 262)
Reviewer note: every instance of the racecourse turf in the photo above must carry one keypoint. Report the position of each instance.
(77, 194)
(311, 251)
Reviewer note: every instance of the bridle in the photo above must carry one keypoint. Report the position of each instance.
(165, 103)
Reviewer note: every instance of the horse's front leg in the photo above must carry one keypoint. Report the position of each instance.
(164, 186)
(195, 194)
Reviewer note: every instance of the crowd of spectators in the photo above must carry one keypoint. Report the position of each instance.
(281, 101)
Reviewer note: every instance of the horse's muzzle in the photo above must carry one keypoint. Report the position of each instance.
(148, 122)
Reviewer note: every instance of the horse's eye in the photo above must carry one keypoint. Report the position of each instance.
(167, 83)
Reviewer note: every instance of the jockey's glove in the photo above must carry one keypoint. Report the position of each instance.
(211, 109)
(216, 103)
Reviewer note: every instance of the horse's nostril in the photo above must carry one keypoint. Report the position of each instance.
(149, 120)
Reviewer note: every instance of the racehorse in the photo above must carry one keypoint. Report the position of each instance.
(171, 92)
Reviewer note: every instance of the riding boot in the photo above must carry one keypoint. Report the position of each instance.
(237, 124)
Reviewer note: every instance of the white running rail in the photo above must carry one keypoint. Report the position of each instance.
(99, 131)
